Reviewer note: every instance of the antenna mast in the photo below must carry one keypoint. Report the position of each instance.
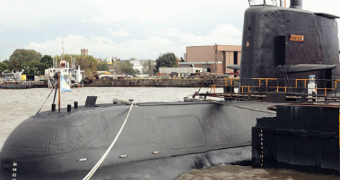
(62, 42)
(215, 68)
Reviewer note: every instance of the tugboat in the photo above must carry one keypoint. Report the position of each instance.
(73, 75)
(281, 49)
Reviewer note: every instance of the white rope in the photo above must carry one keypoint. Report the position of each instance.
(101, 160)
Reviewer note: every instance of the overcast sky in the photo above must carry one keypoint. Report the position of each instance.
(139, 29)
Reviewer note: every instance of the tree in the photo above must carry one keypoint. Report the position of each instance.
(34, 67)
(48, 60)
(29, 61)
(136, 71)
(124, 67)
(103, 66)
(25, 55)
(88, 75)
(84, 61)
(87, 61)
(182, 60)
(15, 66)
(3, 67)
(166, 60)
(6, 61)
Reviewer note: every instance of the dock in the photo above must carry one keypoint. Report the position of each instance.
(154, 82)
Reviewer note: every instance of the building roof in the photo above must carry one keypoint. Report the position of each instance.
(222, 47)
(206, 62)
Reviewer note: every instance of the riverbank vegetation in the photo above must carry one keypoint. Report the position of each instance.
(27, 61)
(33, 62)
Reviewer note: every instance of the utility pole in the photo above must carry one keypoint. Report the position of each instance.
(59, 91)
(62, 43)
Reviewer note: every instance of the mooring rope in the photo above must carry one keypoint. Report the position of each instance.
(45, 101)
(101, 160)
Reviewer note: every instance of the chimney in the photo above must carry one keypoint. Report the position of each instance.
(297, 4)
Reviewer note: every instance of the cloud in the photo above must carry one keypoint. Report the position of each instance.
(105, 47)
(159, 41)
(108, 11)
(120, 32)
(224, 34)
(168, 32)
(72, 44)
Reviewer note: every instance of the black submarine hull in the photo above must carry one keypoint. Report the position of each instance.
(160, 140)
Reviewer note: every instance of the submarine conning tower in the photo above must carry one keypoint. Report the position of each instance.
(281, 42)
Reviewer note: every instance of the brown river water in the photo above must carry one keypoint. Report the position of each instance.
(18, 105)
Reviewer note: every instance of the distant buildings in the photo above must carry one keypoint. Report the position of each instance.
(207, 57)
(211, 59)
(84, 51)
(185, 57)
(137, 64)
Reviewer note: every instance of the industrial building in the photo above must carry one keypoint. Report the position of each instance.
(214, 58)
(84, 51)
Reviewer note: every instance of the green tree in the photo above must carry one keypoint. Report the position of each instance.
(27, 60)
(166, 60)
(48, 60)
(136, 71)
(84, 61)
(3, 67)
(124, 67)
(15, 66)
(67, 57)
(25, 55)
(87, 61)
(103, 66)
(88, 75)
(34, 67)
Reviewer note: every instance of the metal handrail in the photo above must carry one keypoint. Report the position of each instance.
(236, 83)
(253, 3)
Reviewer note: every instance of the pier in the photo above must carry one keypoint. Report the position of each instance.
(154, 82)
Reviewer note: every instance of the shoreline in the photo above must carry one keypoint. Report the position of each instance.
(152, 83)
(139, 82)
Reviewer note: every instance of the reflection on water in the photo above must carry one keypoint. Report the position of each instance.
(18, 105)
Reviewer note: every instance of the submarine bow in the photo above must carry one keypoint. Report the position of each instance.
(177, 137)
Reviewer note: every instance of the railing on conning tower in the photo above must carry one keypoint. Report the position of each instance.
(275, 90)
(263, 2)
(320, 87)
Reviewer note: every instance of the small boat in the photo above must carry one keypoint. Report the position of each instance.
(73, 75)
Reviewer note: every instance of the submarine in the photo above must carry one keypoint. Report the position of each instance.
(163, 140)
